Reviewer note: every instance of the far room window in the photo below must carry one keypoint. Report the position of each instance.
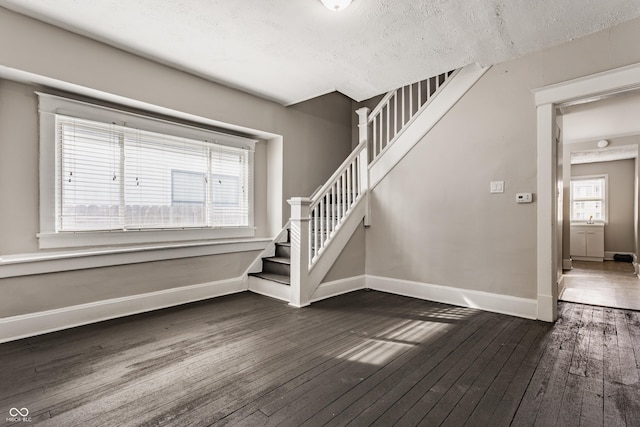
(589, 198)
(143, 174)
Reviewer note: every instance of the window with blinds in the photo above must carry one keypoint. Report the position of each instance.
(115, 177)
(588, 201)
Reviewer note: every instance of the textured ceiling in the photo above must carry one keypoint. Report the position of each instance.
(293, 50)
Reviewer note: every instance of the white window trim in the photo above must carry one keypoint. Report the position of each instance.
(605, 200)
(49, 238)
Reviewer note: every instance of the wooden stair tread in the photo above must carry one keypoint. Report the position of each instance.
(278, 259)
(279, 278)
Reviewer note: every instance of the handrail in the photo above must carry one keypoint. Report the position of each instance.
(382, 103)
(338, 172)
(397, 109)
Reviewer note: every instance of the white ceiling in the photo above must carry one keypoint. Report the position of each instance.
(292, 50)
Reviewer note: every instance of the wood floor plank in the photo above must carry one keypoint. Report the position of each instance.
(592, 410)
(611, 356)
(580, 353)
(571, 406)
(614, 404)
(633, 325)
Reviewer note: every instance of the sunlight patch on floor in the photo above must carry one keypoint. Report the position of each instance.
(405, 334)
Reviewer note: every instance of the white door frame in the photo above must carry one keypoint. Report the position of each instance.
(547, 99)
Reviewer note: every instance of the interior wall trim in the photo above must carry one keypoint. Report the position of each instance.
(497, 303)
(54, 262)
(608, 255)
(27, 325)
(339, 287)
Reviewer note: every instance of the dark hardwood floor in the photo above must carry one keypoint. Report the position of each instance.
(365, 358)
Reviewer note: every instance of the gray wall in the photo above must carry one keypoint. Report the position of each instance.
(433, 219)
(316, 139)
(618, 233)
(351, 261)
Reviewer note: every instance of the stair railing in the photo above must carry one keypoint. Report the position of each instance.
(316, 220)
(333, 202)
(397, 109)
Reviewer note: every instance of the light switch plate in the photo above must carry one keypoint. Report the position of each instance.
(497, 187)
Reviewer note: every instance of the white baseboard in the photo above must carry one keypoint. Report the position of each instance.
(505, 304)
(269, 288)
(27, 325)
(608, 256)
(561, 286)
(339, 287)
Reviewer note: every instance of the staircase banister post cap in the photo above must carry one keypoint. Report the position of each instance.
(363, 114)
(297, 201)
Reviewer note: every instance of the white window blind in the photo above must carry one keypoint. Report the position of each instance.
(112, 177)
(588, 200)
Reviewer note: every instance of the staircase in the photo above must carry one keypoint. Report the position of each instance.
(297, 260)
(277, 268)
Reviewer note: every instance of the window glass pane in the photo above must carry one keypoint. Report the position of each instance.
(89, 177)
(588, 189)
(588, 199)
(228, 187)
(584, 210)
(162, 175)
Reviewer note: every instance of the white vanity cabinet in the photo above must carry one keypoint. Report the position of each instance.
(587, 242)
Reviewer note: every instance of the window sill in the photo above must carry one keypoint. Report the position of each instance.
(53, 262)
(595, 223)
(137, 237)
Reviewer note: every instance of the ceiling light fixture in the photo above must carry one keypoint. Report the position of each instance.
(336, 5)
(603, 143)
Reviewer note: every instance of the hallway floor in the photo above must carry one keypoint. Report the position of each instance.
(607, 284)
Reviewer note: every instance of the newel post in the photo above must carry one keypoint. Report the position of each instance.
(299, 236)
(363, 136)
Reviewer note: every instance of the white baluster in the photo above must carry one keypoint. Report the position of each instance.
(410, 101)
(380, 136)
(348, 187)
(333, 207)
(344, 194)
(314, 233)
(388, 122)
(321, 228)
(375, 137)
(395, 113)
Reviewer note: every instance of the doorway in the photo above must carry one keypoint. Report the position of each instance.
(600, 143)
(549, 232)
